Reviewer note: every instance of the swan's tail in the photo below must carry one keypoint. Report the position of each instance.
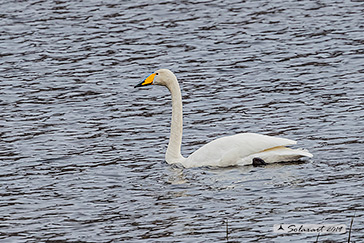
(277, 154)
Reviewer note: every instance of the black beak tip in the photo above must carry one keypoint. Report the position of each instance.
(138, 85)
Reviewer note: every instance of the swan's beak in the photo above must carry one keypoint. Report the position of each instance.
(147, 81)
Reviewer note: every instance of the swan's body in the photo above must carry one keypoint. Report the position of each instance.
(239, 149)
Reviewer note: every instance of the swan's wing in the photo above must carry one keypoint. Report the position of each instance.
(229, 150)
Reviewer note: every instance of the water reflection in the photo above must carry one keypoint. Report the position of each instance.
(176, 176)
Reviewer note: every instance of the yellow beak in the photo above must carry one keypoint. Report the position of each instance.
(147, 81)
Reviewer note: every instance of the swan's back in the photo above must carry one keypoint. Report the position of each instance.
(227, 151)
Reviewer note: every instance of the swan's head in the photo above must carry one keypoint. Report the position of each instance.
(160, 77)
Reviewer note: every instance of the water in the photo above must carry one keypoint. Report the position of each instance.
(82, 151)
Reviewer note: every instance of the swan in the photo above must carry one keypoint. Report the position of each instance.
(238, 149)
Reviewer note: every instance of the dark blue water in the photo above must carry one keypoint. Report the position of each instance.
(82, 151)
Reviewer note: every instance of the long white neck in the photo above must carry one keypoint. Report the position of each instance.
(173, 154)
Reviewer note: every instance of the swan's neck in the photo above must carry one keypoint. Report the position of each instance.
(173, 154)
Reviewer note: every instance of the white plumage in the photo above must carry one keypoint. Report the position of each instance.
(239, 149)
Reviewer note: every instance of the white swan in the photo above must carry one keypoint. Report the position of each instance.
(239, 149)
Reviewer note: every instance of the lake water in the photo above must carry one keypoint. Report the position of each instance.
(82, 151)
